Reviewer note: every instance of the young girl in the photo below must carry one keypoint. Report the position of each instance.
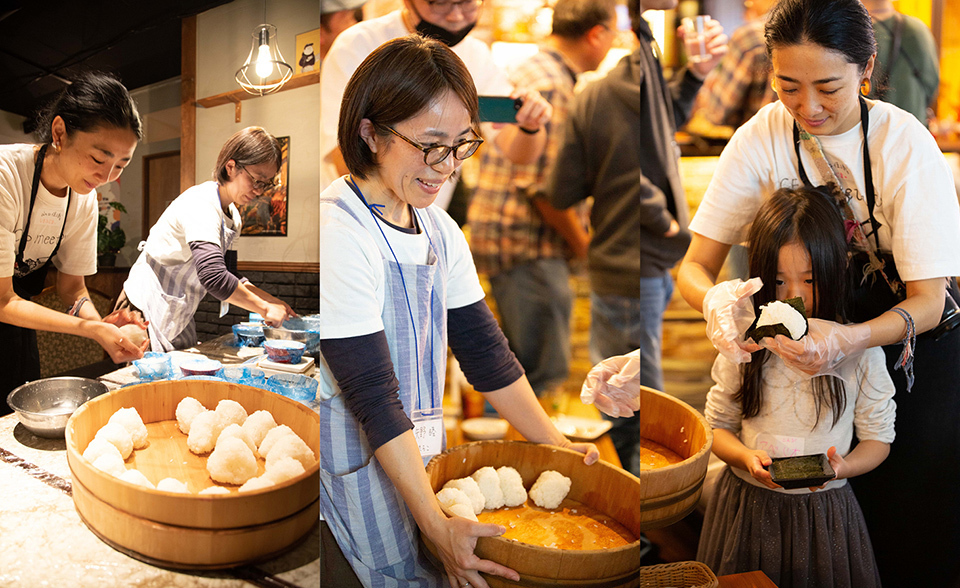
(762, 409)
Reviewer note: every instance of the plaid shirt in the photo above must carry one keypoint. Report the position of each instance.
(740, 85)
(505, 228)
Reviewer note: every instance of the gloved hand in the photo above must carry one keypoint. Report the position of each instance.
(613, 385)
(826, 348)
(728, 309)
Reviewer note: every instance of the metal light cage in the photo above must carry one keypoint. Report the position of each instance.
(249, 75)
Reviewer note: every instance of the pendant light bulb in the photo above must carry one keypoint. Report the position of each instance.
(264, 63)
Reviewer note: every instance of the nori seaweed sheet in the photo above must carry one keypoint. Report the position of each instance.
(756, 333)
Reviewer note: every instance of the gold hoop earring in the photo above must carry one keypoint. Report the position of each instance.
(865, 87)
(56, 146)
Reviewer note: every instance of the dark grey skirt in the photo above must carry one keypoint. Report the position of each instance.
(814, 540)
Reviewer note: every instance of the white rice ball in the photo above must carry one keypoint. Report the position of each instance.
(99, 447)
(118, 437)
(258, 425)
(489, 483)
(135, 476)
(134, 334)
(550, 489)
(129, 419)
(511, 483)
(272, 436)
(256, 484)
(781, 313)
(232, 462)
(291, 446)
(204, 431)
(451, 497)
(283, 469)
(463, 511)
(214, 490)
(231, 412)
(235, 430)
(172, 485)
(472, 490)
(187, 410)
(111, 464)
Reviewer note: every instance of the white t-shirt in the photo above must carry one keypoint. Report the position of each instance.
(349, 50)
(785, 425)
(352, 286)
(195, 215)
(77, 255)
(916, 202)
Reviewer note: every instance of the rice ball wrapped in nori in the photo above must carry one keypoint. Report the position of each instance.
(787, 317)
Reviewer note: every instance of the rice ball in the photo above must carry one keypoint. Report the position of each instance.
(135, 476)
(449, 498)
(111, 464)
(291, 446)
(511, 483)
(283, 468)
(172, 485)
(204, 431)
(472, 490)
(256, 484)
(258, 425)
(550, 489)
(129, 419)
(231, 412)
(99, 447)
(234, 430)
(464, 511)
(187, 410)
(272, 436)
(781, 313)
(232, 462)
(489, 483)
(117, 436)
(214, 490)
(134, 334)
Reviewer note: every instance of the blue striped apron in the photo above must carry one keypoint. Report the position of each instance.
(367, 515)
(169, 295)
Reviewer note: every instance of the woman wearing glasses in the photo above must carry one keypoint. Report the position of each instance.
(397, 286)
(183, 258)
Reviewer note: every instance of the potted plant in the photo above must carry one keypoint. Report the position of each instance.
(110, 237)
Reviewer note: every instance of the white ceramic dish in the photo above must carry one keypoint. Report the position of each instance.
(581, 428)
(484, 428)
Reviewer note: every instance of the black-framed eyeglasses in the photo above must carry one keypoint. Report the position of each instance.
(443, 8)
(259, 185)
(436, 154)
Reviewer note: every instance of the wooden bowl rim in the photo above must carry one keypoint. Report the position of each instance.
(707, 444)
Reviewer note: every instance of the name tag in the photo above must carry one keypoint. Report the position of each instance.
(780, 445)
(428, 430)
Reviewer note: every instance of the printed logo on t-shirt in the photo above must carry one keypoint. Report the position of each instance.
(46, 224)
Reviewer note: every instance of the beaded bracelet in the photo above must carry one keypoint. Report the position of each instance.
(909, 341)
(75, 309)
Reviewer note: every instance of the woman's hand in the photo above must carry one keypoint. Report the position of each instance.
(120, 349)
(590, 452)
(714, 41)
(125, 316)
(277, 313)
(613, 385)
(728, 309)
(456, 541)
(825, 348)
(755, 460)
(535, 112)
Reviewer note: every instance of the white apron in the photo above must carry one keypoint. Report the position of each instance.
(169, 295)
(366, 514)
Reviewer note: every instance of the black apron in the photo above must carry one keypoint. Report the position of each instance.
(911, 501)
(18, 345)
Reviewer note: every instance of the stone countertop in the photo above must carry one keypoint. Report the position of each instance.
(43, 542)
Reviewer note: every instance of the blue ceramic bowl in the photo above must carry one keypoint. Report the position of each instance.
(200, 367)
(244, 374)
(154, 366)
(284, 351)
(248, 334)
(294, 386)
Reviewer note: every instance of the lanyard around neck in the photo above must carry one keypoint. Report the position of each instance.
(37, 170)
(867, 168)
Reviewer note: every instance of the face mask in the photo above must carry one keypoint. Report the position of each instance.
(439, 33)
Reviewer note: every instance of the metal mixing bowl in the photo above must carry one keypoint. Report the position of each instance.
(44, 406)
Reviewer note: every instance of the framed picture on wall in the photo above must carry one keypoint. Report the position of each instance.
(308, 48)
(267, 214)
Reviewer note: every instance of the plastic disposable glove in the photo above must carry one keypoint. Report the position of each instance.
(728, 309)
(613, 385)
(825, 350)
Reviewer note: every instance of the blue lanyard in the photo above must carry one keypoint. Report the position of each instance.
(403, 283)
